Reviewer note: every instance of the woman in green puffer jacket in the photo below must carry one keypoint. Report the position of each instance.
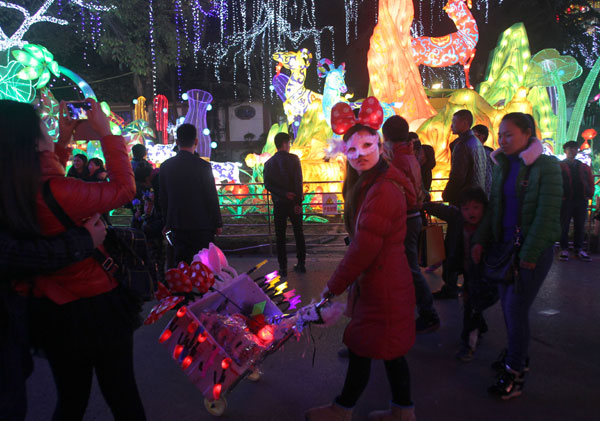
(519, 158)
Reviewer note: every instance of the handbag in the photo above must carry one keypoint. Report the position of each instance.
(431, 246)
(501, 261)
(127, 258)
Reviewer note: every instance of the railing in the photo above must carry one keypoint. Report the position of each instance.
(248, 217)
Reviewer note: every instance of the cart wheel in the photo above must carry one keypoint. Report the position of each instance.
(216, 408)
(255, 375)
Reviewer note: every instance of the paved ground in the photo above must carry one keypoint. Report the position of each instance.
(563, 384)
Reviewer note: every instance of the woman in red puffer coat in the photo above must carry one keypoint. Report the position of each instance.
(84, 320)
(381, 300)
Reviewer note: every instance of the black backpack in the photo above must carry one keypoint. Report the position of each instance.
(128, 258)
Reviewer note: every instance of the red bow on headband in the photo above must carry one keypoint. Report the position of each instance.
(370, 114)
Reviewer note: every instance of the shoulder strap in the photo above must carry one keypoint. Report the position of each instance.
(56, 209)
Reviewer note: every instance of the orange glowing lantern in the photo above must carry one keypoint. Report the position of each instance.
(588, 135)
(393, 74)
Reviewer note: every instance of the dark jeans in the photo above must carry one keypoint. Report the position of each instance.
(16, 363)
(422, 292)
(86, 336)
(187, 243)
(516, 302)
(281, 213)
(451, 267)
(577, 210)
(357, 377)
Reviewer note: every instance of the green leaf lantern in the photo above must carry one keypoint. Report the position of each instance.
(12, 86)
(548, 68)
(38, 64)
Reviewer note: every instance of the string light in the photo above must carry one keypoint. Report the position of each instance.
(264, 25)
(152, 45)
(16, 39)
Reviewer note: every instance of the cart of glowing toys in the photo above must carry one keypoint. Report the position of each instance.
(223, 330)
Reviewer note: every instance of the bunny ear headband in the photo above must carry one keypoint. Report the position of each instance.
(370, 114)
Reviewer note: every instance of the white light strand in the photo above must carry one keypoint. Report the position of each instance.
(266, 26)
(16, 39)
(152, 45)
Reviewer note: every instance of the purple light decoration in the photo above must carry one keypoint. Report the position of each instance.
(269, 277)
(198, 102)
(294, 302)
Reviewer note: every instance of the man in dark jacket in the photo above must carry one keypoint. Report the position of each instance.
(467, 169)
(578, 187)
(188, 199)
(283, 179)
(468, 166)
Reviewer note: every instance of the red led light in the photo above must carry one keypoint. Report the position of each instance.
(266, 334)
(217, 391)
(193, 326)
(202, 337)
(181, 312)
(177, 351)
(186, 362)
(165, 336)
(225, 363)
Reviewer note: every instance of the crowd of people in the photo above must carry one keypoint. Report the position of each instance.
(513, 201)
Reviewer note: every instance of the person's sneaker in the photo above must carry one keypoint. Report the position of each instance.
(500, 362)
(300, 268)
(582, 255)
(427, 324)
(445, 294)
(564, 255)
(509, 384)
(465, 353)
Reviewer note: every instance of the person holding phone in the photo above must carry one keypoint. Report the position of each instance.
(84, 320)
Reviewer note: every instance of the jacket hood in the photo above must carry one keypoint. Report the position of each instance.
(529, 155)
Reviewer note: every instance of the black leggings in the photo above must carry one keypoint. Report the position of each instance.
(357, 377)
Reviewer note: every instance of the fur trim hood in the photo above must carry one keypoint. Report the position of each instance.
(529, 155)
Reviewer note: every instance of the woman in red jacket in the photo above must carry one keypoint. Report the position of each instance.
(84, 320)
(381, 299)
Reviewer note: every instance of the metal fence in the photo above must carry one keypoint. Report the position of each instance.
(251, 224)
(255, 229)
